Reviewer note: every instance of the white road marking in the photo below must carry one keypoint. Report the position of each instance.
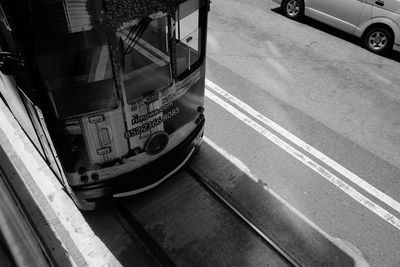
(381, 212)
(319, 155)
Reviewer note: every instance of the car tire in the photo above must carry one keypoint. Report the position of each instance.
(293, 9)
(378, 40)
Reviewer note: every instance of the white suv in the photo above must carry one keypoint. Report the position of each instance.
(376, 22)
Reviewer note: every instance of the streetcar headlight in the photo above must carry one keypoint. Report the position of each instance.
(156, 143)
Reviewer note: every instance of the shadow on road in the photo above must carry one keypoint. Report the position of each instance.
(393, 55)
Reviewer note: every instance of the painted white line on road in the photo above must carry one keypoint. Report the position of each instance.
(325, 159)
(381, 212)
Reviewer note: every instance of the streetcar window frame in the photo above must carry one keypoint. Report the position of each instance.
(202, 24)
(76, 44)
(137, 86)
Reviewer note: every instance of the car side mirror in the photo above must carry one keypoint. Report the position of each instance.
(10, 64)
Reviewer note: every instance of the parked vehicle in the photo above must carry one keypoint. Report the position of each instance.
(375, 22)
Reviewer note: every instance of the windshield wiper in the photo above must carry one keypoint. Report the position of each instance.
(138, 31)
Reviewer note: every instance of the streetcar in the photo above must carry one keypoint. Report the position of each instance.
(113, 88)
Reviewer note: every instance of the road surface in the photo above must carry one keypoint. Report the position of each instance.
(313, 115)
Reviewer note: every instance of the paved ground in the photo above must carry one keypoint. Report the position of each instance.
(322, 87)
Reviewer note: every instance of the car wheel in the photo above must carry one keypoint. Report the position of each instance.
(378, 40)
(293, 9)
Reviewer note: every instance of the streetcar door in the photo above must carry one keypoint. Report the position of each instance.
(187, 36)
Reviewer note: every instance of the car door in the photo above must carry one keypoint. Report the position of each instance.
(389, 9)
(386, 5)
(345, 15)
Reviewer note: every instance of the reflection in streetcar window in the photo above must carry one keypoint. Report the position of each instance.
(78, 75)
(188, 40)
(144, 48)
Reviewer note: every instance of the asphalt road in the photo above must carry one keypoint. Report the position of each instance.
(324, 89)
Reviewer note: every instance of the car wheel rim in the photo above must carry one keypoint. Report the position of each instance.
(293, 8)
(377, 41)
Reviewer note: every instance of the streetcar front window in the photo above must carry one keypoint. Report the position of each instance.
(145, 56)
(188, 37)
(77, 70)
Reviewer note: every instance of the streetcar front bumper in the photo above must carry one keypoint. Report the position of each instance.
(145, 177)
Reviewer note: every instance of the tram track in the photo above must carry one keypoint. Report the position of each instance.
(132, 224)
(242, 217)
(167, 223)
